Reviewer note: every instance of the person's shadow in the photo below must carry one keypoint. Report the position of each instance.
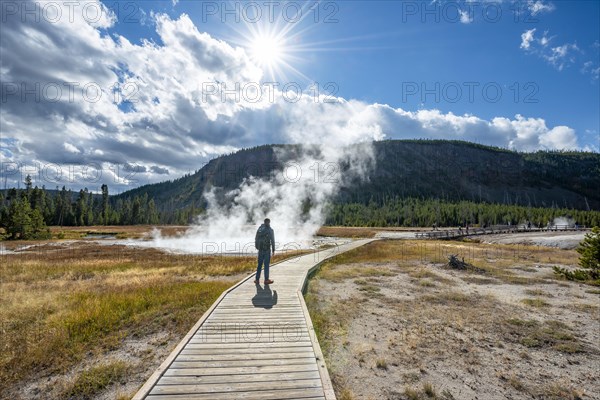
(264, 297)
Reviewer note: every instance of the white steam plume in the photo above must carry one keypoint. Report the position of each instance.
(563, 222)
(294, 198)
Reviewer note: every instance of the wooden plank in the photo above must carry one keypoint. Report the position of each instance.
(258, 317)
(261, 318)
(251, 305)
(272, 394)
(248, 345)
(250, 350)
(263, 369)
(245, 357)
(228, 327)
(203, 379)
(254, 313)
(293, 331)
(251, 323)
(244, 363)
(254, 334)
(218, 341)
(259, 311)
(250, 337)
(236, 387)
(260, 306)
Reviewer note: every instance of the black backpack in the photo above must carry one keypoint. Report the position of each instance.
(263, 238)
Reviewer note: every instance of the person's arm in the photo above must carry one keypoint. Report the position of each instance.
(273, 240)
(256, 240)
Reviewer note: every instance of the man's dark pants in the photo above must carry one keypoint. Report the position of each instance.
(264, 257)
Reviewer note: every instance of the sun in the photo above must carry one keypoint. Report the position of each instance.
(267, 50)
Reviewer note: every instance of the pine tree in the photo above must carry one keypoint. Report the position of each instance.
(136, 211)
(152, 213)
(105, 206)
(81, 208)
(28, 184)
(39, 230)
(19, 220)
(589, 249)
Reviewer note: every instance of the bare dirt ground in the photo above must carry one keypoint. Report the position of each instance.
(407, 328)
(563, 240)
(142, 355)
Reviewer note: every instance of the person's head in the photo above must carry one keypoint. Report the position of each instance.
(267, 221)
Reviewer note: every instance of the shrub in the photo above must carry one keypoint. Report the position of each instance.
(589, 260)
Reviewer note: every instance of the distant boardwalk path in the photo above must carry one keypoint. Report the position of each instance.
(495, 229)
(255, 342)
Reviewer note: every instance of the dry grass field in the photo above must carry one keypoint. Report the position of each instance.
(86, 320)
(395, 322)
(119, 231)
(361, 232)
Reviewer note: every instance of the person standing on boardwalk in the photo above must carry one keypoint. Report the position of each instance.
(264, 241)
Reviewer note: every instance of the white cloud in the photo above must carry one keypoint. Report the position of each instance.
(558, 56)
(559, 137)
(561, 56)
(592, 69)
(545, 40)
(465, 17)
(527, 38)
(71, 149)
(538, 7)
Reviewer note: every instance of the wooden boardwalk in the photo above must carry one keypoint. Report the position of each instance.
(255, 342)
(495, 229)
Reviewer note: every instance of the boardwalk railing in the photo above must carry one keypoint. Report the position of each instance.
(494, 229)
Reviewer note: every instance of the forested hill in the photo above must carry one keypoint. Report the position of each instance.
(426, 169)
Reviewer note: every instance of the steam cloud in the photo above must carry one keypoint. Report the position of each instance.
(294, 198)
(563, 222)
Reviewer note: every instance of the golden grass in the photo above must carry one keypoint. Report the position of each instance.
(585, 307)
(52, 337)
(448, 297)
(533, 334)
(345, 394)
(120, 231)
(497, 259)
(338, 274)
(535, 302)
(558, 391)
(346, 232)
(86, 260)
(381, 363)
(427, 277)
(426, 392)
(538, 292)
(93, 380)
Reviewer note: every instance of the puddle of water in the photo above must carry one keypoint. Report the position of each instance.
(99, 236)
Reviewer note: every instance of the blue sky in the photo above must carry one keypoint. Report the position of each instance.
(142, 90)
(401, 53)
